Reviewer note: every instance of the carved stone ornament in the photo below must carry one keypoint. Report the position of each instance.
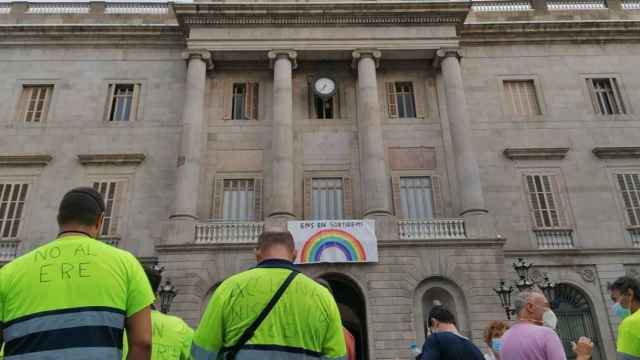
(588, 275)
(362, 53)
(633, 272)
(291, 54)
(202, 54)
(537, 276)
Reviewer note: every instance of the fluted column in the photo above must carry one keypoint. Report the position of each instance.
(192, 139)
(377, 188)
(283, 63)
(473, 208)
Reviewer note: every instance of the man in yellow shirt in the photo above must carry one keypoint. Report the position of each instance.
(625, 292)
(73, 297)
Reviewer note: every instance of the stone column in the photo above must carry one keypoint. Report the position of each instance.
(473, 209)
(283, 63)
(377, 188)
(193, 140)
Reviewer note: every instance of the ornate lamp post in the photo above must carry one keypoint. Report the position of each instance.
(524, 283)
(167, 293)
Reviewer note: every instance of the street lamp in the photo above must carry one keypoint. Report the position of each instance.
(504, 293)
(522, 268)
(167, 293)
(549, 290)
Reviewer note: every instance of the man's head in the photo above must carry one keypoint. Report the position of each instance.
(626, 291)
(440, 319)
(82, 209)
(154, 276)
(275, 245)
(530, 306)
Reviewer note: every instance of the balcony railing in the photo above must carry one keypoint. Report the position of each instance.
(554, 239)
(8, 250)
(431, 229)
(631, 5)
(576, 4)
(501, 6)
(634, 236)
(136, 8)
(58, 8)
(228, 232)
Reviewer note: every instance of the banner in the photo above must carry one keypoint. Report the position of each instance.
(335, 241)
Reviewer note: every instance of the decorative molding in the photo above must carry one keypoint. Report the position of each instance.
(587, 274)
(111, 159)
(291, 54)
(24, 160)
(217, 20)
(446, 52)
(536, 153)
(617, 152)
(362, 53)
(204, 55)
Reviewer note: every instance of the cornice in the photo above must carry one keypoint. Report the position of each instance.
(617, 152)
(24, 160)
(594, 31)
(111, 159)
(331, 14)
(536, 153)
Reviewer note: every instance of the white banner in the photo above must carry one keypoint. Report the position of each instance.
(335, 241)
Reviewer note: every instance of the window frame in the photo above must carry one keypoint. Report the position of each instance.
(253, 95)
(588, 95)
(138, 100)
(17, 116)
(25, 207)
(439, 192)
(332, 173)
(506, 107)
(122, 206)
(613, 92)
(391, 92)
(216, 210)
(342, 195)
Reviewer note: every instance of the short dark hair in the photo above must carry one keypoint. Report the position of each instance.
(441, 314)
(624, 283)
(81, 206)
(154, 276)
(269, 239)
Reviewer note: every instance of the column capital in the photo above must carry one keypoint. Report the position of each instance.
(363, 53)
(204, 55)
(446, 52)
(291, 54)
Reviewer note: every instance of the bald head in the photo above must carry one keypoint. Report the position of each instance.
(530, 306)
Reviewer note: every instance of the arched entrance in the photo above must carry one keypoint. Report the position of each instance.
(352, 310)
(575, 319)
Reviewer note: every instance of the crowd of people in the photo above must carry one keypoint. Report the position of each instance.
(78, 298)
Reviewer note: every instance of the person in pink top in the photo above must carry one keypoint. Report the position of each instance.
(527, 339)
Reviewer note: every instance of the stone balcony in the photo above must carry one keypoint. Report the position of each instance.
(8, 250)
(235, 232)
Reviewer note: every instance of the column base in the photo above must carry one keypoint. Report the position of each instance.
(179, 230)
(478, 223)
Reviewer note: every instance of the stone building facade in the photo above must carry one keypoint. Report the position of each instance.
(473, 133)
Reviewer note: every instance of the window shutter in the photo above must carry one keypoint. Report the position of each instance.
(419, 99)
(119, 201)
(392, 101)
(438, 203)
(227, 99)
(251, 101)
(109, 107)
(337, 103)
(347, 191)
(562, 205)
(395, 189)
(534, 206)
(47, 100)
(135, 102)
(592, 94)
(257, 192)
(218, 190)
(307, 189)
(617, 96)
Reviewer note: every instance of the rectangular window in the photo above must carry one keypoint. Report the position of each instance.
(521, 97)
(325, 109)
(239, 200)
(244, 105)
(113, 193)
(12, 201)
(327, 199)
(35, 103)
(401, 100)
(629, 187)
(544, 199)
(123, 102)
(416, 197)
(605, 96)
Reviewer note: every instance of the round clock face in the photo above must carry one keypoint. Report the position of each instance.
(324, 86)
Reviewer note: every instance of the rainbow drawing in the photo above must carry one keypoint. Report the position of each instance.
(327, 239)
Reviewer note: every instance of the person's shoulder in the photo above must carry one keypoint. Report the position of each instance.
(632, 321)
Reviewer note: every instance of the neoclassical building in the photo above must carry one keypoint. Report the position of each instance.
(472, 133)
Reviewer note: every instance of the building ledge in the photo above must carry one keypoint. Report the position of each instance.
(25, 160)
(536, 153)
(617, 152)
(111, 159)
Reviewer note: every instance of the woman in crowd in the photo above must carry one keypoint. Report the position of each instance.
(493, 338)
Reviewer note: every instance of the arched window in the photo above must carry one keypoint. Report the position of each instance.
(575, 319)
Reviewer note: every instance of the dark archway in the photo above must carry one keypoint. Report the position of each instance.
(575, 319)
(352, 310)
